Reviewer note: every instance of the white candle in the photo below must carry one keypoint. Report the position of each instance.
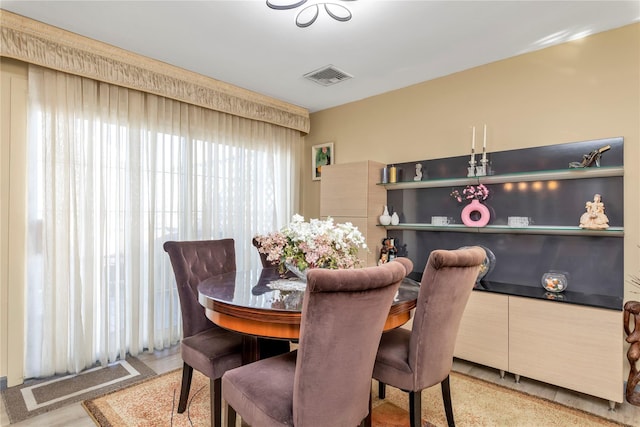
(484, 142)
(473, 142)
(472, 159)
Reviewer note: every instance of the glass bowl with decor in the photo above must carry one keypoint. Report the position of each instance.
(555, 281)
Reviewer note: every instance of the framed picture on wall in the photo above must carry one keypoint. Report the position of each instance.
(321, 155)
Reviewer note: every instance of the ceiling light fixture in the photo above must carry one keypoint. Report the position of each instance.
(309, 14)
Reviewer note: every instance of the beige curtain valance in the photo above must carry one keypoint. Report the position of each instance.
(37, 43)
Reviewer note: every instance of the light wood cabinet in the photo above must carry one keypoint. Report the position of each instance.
(572, 346)
(483, 336)
(349, 193)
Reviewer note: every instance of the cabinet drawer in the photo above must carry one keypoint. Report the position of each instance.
(484, 331)
(575, 347)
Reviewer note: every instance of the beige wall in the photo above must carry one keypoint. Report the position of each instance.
(581, 90)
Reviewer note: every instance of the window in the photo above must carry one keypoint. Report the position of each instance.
(114, 173)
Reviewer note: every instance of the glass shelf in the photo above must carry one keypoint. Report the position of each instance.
(561, 174)
(504, 229)
(432, 183)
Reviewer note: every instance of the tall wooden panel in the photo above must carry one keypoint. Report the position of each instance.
(349, 193)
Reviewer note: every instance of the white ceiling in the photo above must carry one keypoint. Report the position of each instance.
(388, 44)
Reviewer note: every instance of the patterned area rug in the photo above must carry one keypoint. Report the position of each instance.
(480, 403)
(153, 403)
(476, 403)
(35, 397)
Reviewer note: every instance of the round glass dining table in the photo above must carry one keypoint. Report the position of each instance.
(246, 302)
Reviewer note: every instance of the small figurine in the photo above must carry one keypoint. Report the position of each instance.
(594, 218)
(591, 158)
(384, 252)
(389, 252)
(418, 176)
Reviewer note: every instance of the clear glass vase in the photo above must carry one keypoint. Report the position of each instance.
(301, 274)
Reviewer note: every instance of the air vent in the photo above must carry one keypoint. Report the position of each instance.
(327, 76)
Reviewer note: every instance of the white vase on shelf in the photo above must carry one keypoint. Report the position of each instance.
(395, 219)
(385, 218)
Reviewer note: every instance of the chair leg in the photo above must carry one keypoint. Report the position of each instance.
(187, 373)
(231, 416)
(367, 420)
(446, 398)
(382, 391)
(415, 408)
(215, 394)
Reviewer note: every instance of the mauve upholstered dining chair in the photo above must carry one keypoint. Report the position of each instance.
(327, 380)
(204, 346)
(422, 357)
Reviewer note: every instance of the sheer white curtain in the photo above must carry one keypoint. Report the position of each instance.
(113, 174)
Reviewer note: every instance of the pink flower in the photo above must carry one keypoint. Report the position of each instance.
(479, 192)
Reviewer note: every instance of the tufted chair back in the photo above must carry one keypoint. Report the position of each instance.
(417, 359)
(343, 315)
(205, 346)
(326, 382)
(446, 285)
(192, 262)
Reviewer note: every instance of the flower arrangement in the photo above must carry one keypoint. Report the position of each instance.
(478, 192)
(313, 244)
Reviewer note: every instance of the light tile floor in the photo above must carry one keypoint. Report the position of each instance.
(167, 360)
(624, 412)
(74, 415)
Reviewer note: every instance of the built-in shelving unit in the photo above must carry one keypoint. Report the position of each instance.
(558, 175)
(538, 184)
(535, 183)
